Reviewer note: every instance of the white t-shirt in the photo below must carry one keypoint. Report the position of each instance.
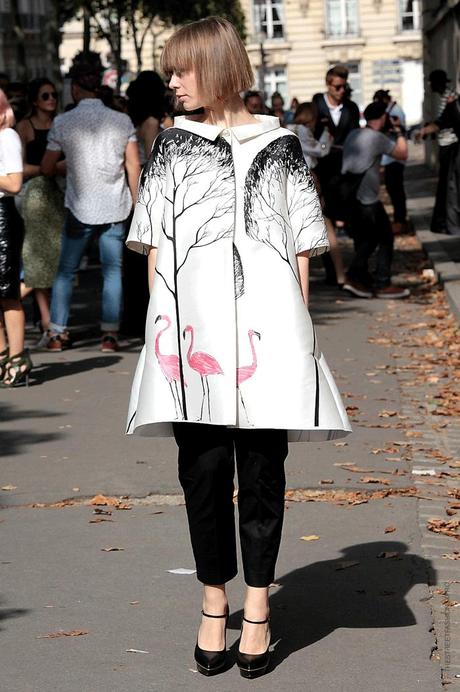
(10, 155)
(335, 111)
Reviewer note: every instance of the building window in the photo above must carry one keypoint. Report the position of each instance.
(409, 13)
(268, 18)
(342, 18)
(356, 84)
(275, 79)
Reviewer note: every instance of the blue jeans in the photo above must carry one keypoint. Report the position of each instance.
(74, 242)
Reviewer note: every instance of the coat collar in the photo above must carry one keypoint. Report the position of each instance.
(243, 133)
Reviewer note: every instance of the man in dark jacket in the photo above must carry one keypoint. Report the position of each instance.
(340, 116)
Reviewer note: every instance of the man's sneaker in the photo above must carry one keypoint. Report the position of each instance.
(58, 342)
(392, 292)
(357, 289)
(109, 343)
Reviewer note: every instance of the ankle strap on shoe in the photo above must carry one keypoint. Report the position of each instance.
(213, 616)
(257, 622)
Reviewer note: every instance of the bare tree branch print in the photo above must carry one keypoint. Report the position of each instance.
(150, 199)
(278, 173)
(199, 205)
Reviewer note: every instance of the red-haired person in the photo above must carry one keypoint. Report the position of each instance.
(15, 363)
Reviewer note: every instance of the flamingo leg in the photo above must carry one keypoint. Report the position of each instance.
(174, 398)
(209, 400)
(244, 407)
(202, 401)
(178, 398)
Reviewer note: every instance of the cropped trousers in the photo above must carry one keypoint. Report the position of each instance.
(206, 470)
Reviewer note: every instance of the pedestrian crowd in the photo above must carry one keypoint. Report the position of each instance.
(71, 178)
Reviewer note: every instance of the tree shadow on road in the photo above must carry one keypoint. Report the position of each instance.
(9, 613)
(16, 441)
(52, 371)
(319, 598)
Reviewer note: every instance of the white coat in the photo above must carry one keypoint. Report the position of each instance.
(229, 340)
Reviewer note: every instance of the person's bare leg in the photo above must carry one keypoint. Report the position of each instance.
(25, 290)
(211, 635)
(43, 302)
(255, 638)
(15, 322)
(336, 255)
(3, 344)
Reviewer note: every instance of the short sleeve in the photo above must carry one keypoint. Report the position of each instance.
(11, 152)
(148, 218)
(304, 209)
(386, 145)
(54, 136)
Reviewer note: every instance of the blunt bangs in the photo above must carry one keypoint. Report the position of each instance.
(211, 48)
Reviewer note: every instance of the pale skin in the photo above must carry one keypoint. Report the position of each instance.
(12, 319)
(211, 636)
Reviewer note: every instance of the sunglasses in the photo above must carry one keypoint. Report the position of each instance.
(48, 95)
(339, 87)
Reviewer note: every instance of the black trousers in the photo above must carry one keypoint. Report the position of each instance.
(439, 218)
(206, 471)
(394, 183)
(371, 230)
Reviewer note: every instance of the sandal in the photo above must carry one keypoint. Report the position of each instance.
(17, 370)
(4, 355)
(253, 665)
(211, 662)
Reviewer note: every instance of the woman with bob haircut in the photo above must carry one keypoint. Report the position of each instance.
(15, 363)
(228, 215)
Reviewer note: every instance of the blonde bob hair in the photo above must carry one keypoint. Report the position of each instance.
(7, 118)
(211, 48)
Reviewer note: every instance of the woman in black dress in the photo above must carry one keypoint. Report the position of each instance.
(15, 363)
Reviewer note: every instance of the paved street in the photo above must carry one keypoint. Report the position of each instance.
(352, 609)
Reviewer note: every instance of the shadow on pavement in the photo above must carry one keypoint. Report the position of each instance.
(317, 599)
(16, 441)
(9, 613)
(52, 371)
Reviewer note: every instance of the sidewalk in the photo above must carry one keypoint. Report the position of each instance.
(352, 609)
(443, 250)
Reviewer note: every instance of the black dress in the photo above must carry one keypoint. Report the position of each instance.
(11, 238)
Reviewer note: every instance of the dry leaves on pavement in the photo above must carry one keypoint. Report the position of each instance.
(447, 528)
(61, 633)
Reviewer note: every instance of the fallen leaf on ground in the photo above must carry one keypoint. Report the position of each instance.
(181, 570)
(98, 520)
(104, 501)
(423, 472)
(9, 487)
(455, 555)
(134, 602)
(61, 633)
(450, 604)
(345, 564)
(102, 511)
(447, 528)
(340, 444)
(326, 481)
(111, 549)
(374, 479)
(389, 529)
(451, 512)
(309, 538)
(387, 414)
(388, 554)
(440, 591)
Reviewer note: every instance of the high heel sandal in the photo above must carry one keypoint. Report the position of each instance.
(16, 370)
(253, 665)
(211, 662)
(4, 355)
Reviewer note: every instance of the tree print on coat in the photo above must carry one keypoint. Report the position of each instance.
(238, 273)
(203, 187)
(245, 372)
(204, 364)
(279, 172)
(169, 365)
(151, 190)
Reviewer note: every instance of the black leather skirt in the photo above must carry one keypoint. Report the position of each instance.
(11, 239)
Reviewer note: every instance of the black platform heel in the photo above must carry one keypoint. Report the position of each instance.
(16, 370)
(253, 665)
(211, 662)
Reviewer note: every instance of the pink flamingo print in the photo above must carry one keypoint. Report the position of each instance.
(247, 371)
(169, 365)
(205, 365)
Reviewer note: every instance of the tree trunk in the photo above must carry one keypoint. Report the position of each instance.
(52, 38)
(19, 41)
(86, 31)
